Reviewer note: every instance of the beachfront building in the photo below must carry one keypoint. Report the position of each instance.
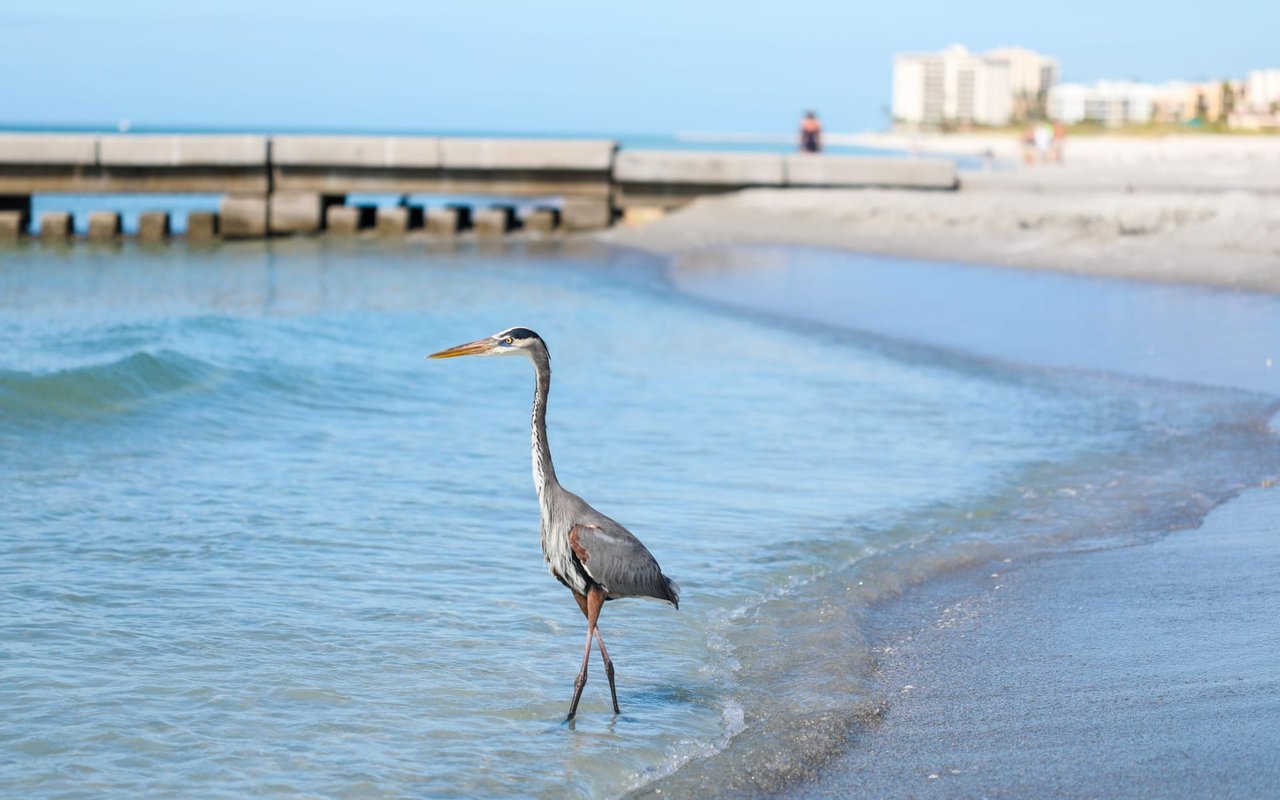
(1259, 106)
(1262, 90)
(1110, 103)
(1031, 76)
(951, 88)
(1116, 103)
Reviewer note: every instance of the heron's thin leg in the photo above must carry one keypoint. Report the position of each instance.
(608, 670)
(581, 680)
(595, 600)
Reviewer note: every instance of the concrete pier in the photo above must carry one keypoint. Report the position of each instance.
(850, 171)
(32, 163)
(104, 226)
(287, 185)
(431, 165)
(664, 180)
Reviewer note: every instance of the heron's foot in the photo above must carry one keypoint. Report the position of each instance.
(613, 690)
(578, 685)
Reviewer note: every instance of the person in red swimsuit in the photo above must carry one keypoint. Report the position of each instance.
(810, 133)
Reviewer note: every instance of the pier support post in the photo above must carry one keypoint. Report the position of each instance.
(392, 220)
(442, 221)
(586, 213)
(243, 216)
(11, 226)
(15, 206)
(55, 226)
(202, 226)
(493, 221)
(104, 226)
(301, 212)
(153, 226)
(342, 220)
(541, 220)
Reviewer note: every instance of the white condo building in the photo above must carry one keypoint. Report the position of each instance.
(955, 86)
(1108, 102)
(1262, 89)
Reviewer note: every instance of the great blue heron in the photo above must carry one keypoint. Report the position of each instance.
(595, 557)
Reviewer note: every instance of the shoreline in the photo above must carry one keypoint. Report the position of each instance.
(1156, 649)
(1135, 670)
(1228, 239)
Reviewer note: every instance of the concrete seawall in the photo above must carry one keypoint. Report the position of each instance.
(668, 179)
(287, 184)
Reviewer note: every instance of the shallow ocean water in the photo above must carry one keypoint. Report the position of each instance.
(253, 544)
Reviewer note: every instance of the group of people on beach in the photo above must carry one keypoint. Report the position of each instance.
(1041, 142)
(1044, 143)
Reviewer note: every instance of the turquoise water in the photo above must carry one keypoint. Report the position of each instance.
(254, 544)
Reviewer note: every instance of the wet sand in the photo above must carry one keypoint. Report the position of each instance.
(1143, 671)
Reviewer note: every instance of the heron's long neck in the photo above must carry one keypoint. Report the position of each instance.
(544, 474)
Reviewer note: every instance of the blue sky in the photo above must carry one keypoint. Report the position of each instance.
(564, 65)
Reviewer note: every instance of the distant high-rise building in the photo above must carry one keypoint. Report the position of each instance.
(1031, 76)
(956, 87)
(1262, 89)
(1109, 103)
(1259, 105)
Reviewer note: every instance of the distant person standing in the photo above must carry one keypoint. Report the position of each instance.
(1043, 139)
(810, 133)
(1059, 140)
(1029, 145)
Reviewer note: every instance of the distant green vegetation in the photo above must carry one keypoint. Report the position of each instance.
(1095, 128)
(1161, 129)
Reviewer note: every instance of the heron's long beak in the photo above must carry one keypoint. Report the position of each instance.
(478, 347)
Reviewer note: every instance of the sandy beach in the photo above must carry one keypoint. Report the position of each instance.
(1191, 149)
(1137, 667)
(1200, 217)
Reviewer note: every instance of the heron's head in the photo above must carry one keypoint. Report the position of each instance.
(511, 342)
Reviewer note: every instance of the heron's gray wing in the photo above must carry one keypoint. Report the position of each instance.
(614, 558)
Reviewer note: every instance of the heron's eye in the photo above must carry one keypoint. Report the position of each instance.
(510, 340)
